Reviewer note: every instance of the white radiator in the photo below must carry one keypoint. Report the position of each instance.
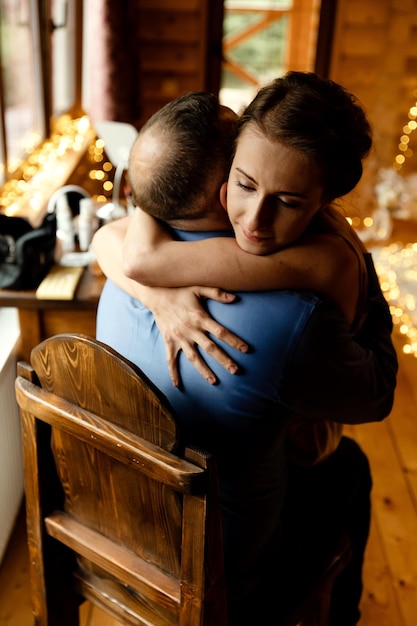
(11, 464)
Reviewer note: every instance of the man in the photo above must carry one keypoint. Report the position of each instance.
(304, 360)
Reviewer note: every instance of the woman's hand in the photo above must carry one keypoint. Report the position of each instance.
(185, 324)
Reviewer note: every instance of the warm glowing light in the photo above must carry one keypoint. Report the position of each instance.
(396, 265)
(44, 165)
(405, 139)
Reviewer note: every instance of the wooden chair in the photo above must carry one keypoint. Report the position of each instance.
(118, 512)
(138, 515)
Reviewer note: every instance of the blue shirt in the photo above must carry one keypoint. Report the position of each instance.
(303, 359)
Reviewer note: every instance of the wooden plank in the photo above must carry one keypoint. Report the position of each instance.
(165, 57)
(403, 428)
(393, 511)
(91, 615)
(15, 605)
(368, 12)
(368, 41)
(176, 5)
(378, 604)
(364, 71)
(170, 26)
(159, 88)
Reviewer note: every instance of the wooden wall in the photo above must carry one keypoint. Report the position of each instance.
(180, 49)
(374, 55)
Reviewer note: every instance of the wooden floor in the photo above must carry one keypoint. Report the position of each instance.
(390, 596)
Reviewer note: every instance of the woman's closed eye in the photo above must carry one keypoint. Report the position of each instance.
(287, 201)
(244, 187)
(289, 204)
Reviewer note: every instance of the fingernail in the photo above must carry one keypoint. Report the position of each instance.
(243, 348)
(230, 296)
(232, 369)
(211, 380)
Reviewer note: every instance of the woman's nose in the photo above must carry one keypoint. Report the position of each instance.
(257, 216)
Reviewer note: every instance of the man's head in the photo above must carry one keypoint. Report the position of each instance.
(181, 158)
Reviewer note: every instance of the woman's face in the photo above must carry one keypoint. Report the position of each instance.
(272, 193)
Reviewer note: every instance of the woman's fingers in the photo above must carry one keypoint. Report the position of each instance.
(192, 353)
(173, 348)
(185, 325)
(172, 352)
(214, 328)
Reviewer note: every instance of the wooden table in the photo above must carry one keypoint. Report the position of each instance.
(42, 318)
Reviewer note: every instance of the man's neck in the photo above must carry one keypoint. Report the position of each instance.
(202, 224)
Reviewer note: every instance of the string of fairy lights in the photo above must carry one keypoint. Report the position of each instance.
(47, 167)
(404, 145)
(396, 264)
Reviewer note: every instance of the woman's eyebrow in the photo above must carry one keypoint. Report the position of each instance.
(293, 194)
(239, 169)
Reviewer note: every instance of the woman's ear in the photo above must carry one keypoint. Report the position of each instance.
(223, 196)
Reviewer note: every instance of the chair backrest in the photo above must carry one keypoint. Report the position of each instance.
(117, 511)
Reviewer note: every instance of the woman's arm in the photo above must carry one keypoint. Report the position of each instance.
(317, 262)
(179, 314)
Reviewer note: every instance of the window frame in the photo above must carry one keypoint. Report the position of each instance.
(42, 28)
(25, 14)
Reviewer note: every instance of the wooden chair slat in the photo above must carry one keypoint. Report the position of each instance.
(138, 573)
(111, 439)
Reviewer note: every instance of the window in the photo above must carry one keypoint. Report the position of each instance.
(22, 105)
(39, 51)
(263, 39)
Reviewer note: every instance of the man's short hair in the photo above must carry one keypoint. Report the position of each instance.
(197, 144)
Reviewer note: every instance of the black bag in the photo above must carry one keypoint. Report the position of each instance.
(26, 253)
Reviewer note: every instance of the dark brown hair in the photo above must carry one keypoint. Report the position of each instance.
(321, 120)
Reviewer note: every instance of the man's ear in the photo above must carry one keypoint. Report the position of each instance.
(223, 196)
